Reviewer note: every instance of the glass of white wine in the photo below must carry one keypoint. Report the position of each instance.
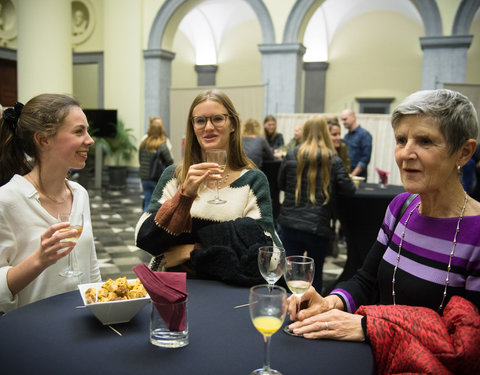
(299, 273)
(76, 222)
(268, 306)
(219, 157)
(271, 263)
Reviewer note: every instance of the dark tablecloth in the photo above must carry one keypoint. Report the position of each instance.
(53, 337)
(361, 217)
(271, 169)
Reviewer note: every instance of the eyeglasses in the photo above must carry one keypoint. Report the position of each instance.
(218, 120)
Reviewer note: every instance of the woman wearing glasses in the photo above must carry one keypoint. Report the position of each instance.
(182, 229)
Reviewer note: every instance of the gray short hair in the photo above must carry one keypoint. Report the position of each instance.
(451, 111)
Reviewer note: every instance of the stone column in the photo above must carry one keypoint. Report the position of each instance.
(206, 74)
(444, 60)
(282, 73)
(158, 80)
(44, 47)
(315, 80)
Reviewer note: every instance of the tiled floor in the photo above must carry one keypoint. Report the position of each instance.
(114, 216)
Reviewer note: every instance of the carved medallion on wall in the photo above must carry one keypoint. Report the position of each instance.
(83, 20)
(8, 21)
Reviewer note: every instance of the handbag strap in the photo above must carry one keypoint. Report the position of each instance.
(405, 205)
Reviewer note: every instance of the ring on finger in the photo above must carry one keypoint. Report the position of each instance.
(326, 326)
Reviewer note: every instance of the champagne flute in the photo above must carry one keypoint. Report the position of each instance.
(271, 263)
(219, 157)
(299, 273)
(76, 222)
(268, 305)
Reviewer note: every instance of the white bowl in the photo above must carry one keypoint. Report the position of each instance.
(115, 311)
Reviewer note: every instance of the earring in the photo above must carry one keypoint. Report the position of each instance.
(459, 169)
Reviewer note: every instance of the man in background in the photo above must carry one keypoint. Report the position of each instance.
(359, 143)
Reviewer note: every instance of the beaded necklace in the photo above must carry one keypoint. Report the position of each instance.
(452, 252)
(224, 180)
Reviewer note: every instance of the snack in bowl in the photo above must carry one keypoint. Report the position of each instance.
(117, 290)
(114, 301)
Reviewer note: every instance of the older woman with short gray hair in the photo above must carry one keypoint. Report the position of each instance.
(420, 282)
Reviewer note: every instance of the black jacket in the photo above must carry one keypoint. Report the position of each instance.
(145, 158)
(306, 216)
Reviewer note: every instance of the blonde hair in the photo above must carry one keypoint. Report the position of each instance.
(193, 152)
(315, 137)
(251, 127)
(155, 135)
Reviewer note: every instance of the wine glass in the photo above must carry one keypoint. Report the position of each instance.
(219, 157)
(271, 263)
(268, 305)
(76, 222)
(299, 273)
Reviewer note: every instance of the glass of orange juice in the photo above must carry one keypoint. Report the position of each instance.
(268, 306)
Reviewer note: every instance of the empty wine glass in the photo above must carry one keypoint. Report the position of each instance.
(268, 305)
(271, 263)
(219, 157)
(76, 222)
(299, 273)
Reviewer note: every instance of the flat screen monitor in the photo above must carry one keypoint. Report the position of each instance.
(102, 122)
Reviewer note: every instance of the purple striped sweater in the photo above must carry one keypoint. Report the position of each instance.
(422, 268)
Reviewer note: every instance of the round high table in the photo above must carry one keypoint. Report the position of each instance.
(361, 217)
(53, 336)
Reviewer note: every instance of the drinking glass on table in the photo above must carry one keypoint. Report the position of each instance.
(219, 157)
(268, 306)
(299, 273)
(271, 263)
(76, 222)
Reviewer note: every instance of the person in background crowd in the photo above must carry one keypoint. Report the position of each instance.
(183, 230)
(312, 176)
(340, 146)
(469, 178)
(475, 193)
(296, 140)
(359, 143)
(274, 139)
(255, 146)
(52, 131)
(156, 141)
(419, 287)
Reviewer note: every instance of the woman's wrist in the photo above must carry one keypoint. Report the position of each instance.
(334, 302)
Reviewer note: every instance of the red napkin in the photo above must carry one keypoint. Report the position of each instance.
(166, 288)
(383, 176)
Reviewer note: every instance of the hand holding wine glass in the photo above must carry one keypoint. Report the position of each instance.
(76, 222)
(268, 305)
(219, 157)
(299, 273)
(271, 263)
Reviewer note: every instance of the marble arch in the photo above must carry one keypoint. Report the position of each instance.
(464, 16)
(437, 48)
(158, 60)
(428, 10)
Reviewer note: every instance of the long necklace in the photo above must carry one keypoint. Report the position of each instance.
(29, 178)
(452, 252)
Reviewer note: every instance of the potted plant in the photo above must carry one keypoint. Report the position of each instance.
(120, 149)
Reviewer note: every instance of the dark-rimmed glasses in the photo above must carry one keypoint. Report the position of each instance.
(218, 120)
